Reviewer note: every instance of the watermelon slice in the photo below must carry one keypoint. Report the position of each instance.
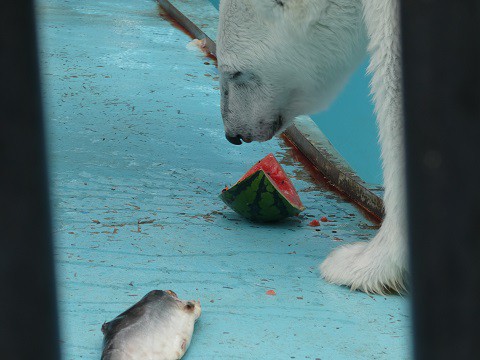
(264, 193)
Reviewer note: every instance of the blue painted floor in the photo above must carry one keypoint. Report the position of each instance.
(137, 159)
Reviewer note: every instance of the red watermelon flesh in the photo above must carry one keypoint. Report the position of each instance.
(279, 178)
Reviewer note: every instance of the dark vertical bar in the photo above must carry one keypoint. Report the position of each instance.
(441, 50)
(28, 324)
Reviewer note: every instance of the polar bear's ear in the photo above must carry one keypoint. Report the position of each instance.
(299, 11)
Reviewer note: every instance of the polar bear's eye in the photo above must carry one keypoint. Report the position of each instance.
(236, 75)
(240, 78)
(279, 2)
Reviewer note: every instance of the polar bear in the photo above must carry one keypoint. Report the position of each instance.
(282, 58)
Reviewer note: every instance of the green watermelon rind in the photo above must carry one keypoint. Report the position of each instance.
(257, 199)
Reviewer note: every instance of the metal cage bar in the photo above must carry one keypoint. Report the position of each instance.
(28, 326)
(441, 62)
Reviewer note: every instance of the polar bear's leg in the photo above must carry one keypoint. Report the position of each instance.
(380, 265)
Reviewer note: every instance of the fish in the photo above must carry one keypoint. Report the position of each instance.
(158, 327)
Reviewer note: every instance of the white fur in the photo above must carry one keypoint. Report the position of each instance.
(293, 57)
(293, 60)
(381, 264)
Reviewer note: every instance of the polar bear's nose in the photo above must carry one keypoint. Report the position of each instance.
(236, 140)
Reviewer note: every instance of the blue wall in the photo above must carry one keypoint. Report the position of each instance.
(350, 126)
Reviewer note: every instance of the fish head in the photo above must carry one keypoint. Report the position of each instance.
(193, 307)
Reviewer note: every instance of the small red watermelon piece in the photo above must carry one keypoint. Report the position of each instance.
(264, 193)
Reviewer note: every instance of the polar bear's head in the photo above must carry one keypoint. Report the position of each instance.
(282, 58)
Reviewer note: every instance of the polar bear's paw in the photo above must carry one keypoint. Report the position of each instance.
(361, 267)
